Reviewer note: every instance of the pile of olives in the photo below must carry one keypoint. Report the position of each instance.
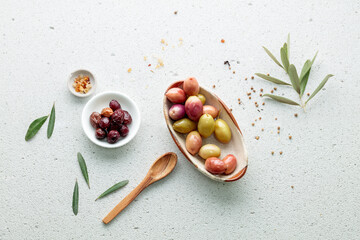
(111, 123)
(198, 120)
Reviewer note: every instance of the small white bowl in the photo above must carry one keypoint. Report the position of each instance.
(100, 101)
(75, 75)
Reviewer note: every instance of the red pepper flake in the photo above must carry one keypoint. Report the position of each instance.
(149, 65)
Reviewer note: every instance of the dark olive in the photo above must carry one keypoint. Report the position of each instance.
(94, 119)
(100, 133)
(104, 122)
(118, 116)
(113, 136)
(114, 104)
(127, 118)
(124, 131)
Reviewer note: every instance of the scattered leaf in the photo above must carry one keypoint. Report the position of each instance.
(288, 46)
(51, 122)
(83, 168)
(294, 78)
(272, 79)
(113, 188)
(35, 127)
(284, 57)
(272, 57)
(321, 85)
(75, 203)
(281, 99)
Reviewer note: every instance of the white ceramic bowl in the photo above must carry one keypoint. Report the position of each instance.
(74, 75)
(100, 101)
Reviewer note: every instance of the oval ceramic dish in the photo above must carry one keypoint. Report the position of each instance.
(236, 146)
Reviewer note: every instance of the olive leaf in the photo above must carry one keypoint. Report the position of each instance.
(113, 188)
(288, 46)
(284, 57)
(272, 57)
(303, 83)
(272, 79)
(294, 78)
(281, 99)
(321, 85)
(83, 168)
(51, 124)
(75, 202)
(35, 127)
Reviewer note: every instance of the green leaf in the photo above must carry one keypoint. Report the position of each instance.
(294, 78)
(35, 127)
(272, 57)
(306, 68)
(272, 79)
(75, 202)
(304, 82)
(288, 46)
(83, 168)
(321, 85)
(113, 188)
(281, 99)
(313, 60)
(51, 122)
(284, 57)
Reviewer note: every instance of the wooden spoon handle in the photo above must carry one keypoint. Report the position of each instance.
(127, 200)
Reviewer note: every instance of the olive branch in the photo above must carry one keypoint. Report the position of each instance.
(297, 82)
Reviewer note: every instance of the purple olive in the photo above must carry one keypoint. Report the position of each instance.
(124, 130)
(113, 136)
(114, 105)
(177, 112)
(100, 133)
(127, 118)
(104, 122)
(114, 126)
(94, 119)
(118, 116)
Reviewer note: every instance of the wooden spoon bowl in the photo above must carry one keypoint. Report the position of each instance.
(236, 146)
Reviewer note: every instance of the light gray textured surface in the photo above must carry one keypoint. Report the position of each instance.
(42, 42)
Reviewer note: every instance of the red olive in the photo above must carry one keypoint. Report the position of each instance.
(215, 165)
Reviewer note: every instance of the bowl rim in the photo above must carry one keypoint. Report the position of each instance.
(123, 141)
(72, 90)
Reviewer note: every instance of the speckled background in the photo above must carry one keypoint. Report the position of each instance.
(41, 43)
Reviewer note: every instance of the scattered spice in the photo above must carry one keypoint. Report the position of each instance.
(290, 137)
(249, 93)
(275, 119)
(263, 103)
(251, 88)
(278, 128)
(245, 78)
(233, 72)
(261, 90)
(149, 65)
(308, 94)
(272, 91)
(278, 132)
(222, 41)
(252, 124)
(230, 109)
(260, 94)
(259, 118)
(257, 137)
(252, 77)
(129, 70)
(281, 152)
(295, 114)
(82, 84)
(262, 129)
(275, 88)
(175, 12)
(272, 153)
(292, 187)
(214, 86)
(145, 58)
(268, 74)
(254, 90)
(249, 97)
(257, 105)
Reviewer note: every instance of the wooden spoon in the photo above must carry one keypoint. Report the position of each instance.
(160, 169)
(236, 146)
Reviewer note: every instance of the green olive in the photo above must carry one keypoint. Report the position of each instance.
(202, 98)
(209, 150)
(222, 131)
(206, 125)
(184, 125)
